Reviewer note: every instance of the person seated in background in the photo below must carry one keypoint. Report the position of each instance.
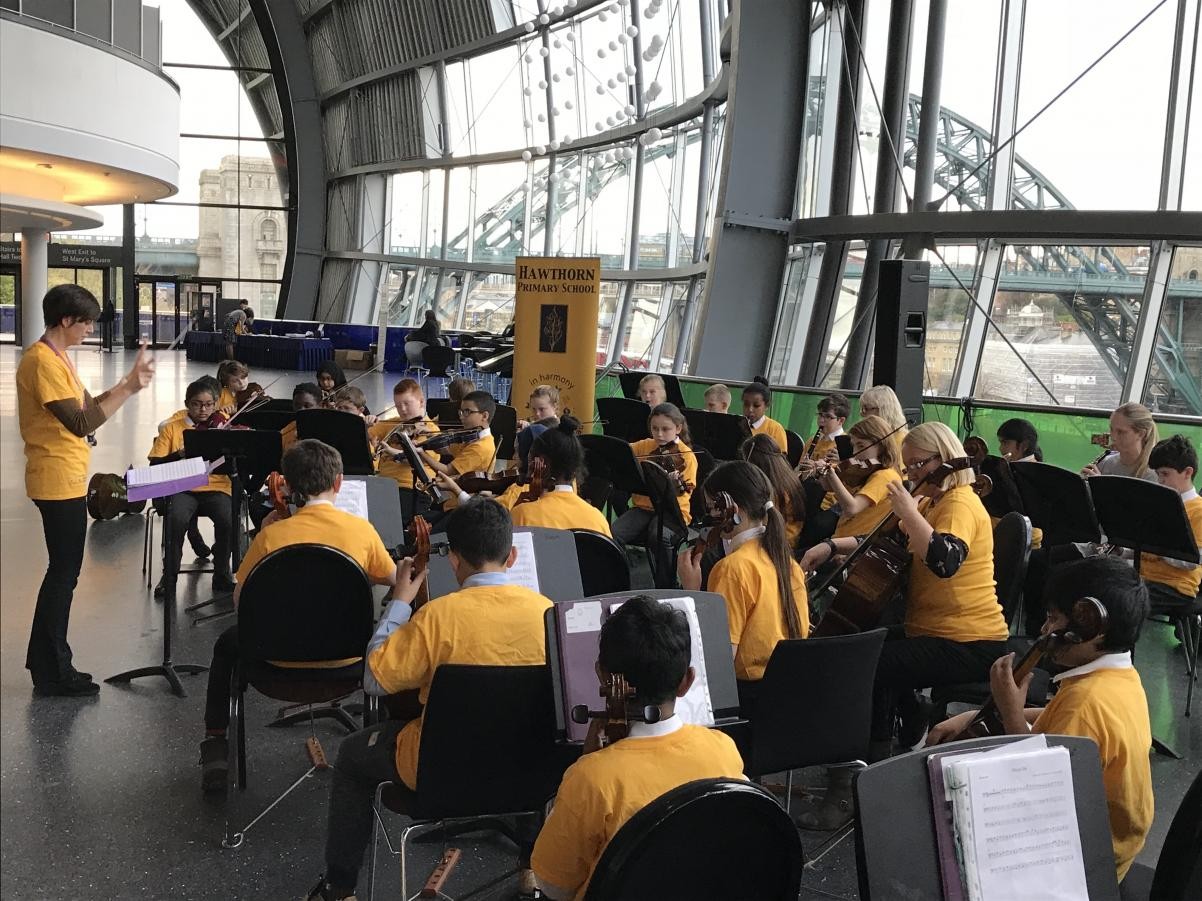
(1018, 441)
(1175, 463)
(305, 396)
(881, 400)
(351, 399)
(652, 391)
(833, 411)
(543, 405)
(211, 500)
(764, 454)
(487, 622)
(459, 388)
(233, 376)
(1100, 694)
(717, 399)
(1133, 434)
(410, 403)
(329, 379)
(647, 643)
(757, 401)
(429, 334)
(313, 473)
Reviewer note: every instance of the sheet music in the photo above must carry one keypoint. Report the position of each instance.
(696, 707)
(169, 472)
(1016, 825)
(525, 568)
(352, 497)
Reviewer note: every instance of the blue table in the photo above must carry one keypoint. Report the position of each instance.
(207, 347)
(279, 352)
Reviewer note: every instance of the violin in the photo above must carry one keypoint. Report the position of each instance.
(671, 461)
(1102, 440)
(492, 482)
(977, 451)
(537, 481)
(875, 570)
(722, 515)
(108, 497)
(251, 392)
(619, 710)
(1087, 620)
(853, 472)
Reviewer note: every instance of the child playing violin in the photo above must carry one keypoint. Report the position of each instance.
(476, 411)
(762, 584)
(1100, 695)
(757, 400)
(410, 403)
(313, 473)
(351, 399)
(669, 435)
(647, 643)
(233, 376)
(211, 500)
(329, 379)
(544, 406)
(559, 506)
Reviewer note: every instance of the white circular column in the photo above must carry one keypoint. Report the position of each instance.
(34, 242)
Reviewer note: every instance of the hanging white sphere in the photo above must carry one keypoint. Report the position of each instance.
(569, 71)
(613, 8)
(544, 52)
(633, 30)
(602, 16)
(557, 43)
(620, 116)
(554, 145)
(621, 76)
(527, 91)
(613, 45)
(556, 11)
(542, 85)
(524, 188)
(555, 111)
(553, 178)
(631, 71)
(568, 104)
(654, 134)
(555, 77)
(643, 139)
(570, 37)
(656, 87)
(528, 57)
(540, 150)
(571, 4)
(612, 84)
(528, 27)
(649, 12)
(609, 120)
(628, 109)
(598, 126)
(623, 3)
(544, 19)
(600, 89)
(621, 38)
(600, 53)
(541, 117)
(527, 156)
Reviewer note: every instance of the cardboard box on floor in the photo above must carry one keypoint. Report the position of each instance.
(354, 359)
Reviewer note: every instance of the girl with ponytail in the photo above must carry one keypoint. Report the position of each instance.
(763, 586)
(560, 507)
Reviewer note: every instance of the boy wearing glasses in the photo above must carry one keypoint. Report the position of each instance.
(833, 411)
(211, 500)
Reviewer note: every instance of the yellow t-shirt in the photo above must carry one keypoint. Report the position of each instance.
(746, 578)
(604, 789)
(475, 456)
(56, 462)
(876, 489)
(1109, 706)
(227, 399)
(509, 497)
(642, 449)
(170, 440)
(561, 510)
(1155, 569)
(773, 430)
(963, 607)
(793, 523)
(490, 625)
(822, 447)
(398, 470)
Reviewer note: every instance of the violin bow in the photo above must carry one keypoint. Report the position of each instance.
(350, 382)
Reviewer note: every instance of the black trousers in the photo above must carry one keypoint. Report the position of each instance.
(184, 508)
(217, 696)
(908, 664)
(65, 525)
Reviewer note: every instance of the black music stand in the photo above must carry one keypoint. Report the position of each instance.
(904, 863)
(624, 418)
(722, 434)
(168, 669)
(246, 451)
(612, 461)
(555, 560)
(267, 419)
(345, 432)
(1004, 496)
(1057, 501)
(383, 508)
(445, 413)
(409, 451)
(715, 647)
(630, 386)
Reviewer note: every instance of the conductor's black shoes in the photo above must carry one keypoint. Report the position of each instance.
(66, 688)
(214, 764)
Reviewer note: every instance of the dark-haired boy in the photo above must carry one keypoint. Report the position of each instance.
(488, 622)
(1176, 581)
(648, 643)
(1100, 694)
(476, 411)
(313, 471)
(833, 411)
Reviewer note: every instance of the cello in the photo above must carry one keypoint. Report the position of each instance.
(619, 710)
(875, 570)
(721, 518)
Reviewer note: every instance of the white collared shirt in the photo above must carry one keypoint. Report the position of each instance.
(654, 730)
(1119, 660)
(317, 502)
(835, 434)
(742, 538)
(759, 422)
(484, 433)
(567, 489)
(1189, 494)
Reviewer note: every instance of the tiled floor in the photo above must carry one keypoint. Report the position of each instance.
(101, 797)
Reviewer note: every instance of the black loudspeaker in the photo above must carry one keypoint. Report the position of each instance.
(901, 331)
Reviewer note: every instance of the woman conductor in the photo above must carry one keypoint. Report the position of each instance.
(56, 415)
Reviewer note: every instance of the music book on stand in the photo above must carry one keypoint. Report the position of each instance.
(162, 479)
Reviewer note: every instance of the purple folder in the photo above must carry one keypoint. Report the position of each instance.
(163, 479)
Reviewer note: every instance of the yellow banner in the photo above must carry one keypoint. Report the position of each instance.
(555, 330)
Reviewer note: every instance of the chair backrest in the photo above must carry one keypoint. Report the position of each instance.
(305, 602)
(488, 741)
(1011, 551)
(796, 447)
(504, 427)
(713, 838)
(612, 460)
(624, 418)
(663, 496)
(436, 358)
(705, 465)
(815, 703)
(603, 565)
(1179, 869)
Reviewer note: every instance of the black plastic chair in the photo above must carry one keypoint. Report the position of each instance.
(1011, 552)
(488, 751)
(436, 358)
(791, 727)
(1186, 616)
(796, 446)
(713, 838)
(624, 418)
(1178, 873)
(705, 465)
(504, 428)
(604, 568)
(305, 603)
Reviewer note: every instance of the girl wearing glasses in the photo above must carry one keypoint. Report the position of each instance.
(211, 500)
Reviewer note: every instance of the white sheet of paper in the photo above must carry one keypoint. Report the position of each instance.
(583, 617)
(525, 568)
(696, 707)
(1016, 817)
(352, 497)
(166, 472)
(1036, 742)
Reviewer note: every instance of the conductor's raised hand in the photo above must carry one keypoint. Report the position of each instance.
(407, 584)
(141, 373)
